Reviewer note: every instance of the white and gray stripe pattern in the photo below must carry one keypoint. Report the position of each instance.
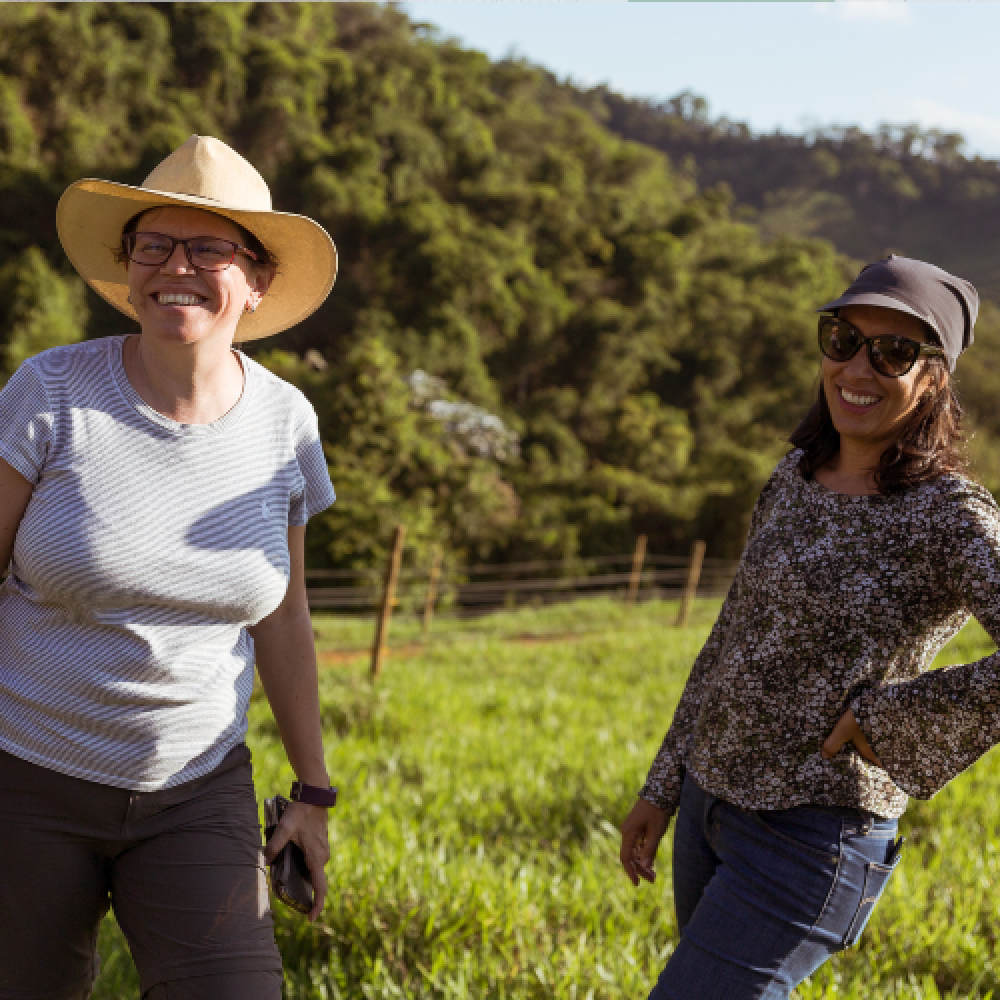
(146, 549)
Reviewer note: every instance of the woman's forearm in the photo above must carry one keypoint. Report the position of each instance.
(286, 664)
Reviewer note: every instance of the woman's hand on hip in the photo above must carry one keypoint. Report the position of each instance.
(847, 731)
(642, 832)
(308, 826)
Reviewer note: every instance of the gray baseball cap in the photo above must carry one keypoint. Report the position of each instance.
(947, 304)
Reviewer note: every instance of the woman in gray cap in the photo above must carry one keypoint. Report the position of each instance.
(808, 717)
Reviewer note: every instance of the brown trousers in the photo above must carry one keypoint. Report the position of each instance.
(181, 868)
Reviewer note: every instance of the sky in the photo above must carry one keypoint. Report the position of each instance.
(783, 64)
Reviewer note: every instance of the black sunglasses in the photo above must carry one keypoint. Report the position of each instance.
(889, 354)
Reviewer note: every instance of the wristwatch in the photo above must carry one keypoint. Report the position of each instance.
(313, 795)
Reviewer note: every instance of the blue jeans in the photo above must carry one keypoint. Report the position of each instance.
(764, 898)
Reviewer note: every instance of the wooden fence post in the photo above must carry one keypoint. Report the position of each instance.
(432, 584)
(638, 558)
(388, 599)
(691, 585)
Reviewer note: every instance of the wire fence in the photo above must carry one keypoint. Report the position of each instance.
(440, 600)
(474, 590)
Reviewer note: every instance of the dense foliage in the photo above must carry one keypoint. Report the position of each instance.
(645, 346)
(902, 187)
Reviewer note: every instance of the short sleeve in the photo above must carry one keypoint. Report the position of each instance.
(316, 491)
(26, 423)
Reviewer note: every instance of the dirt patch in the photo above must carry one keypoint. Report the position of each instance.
(338, 657)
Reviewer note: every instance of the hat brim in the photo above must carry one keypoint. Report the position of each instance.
(91, 214)
(879, 299)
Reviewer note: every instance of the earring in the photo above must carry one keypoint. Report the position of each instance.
(129, 299)
(250, 307)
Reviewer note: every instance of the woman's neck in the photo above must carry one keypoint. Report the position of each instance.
(189, 383)
(852, 469)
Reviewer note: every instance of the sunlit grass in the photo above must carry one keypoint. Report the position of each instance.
(581, 617)
(475, 846)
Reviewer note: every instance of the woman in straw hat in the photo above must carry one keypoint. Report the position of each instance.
(810, 715)
(154, 492)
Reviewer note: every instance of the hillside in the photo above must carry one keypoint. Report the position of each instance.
(544, 339)
(902, 189)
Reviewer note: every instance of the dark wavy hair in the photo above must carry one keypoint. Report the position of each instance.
(930, 445)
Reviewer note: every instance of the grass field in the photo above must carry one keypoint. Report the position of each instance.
(475, 847)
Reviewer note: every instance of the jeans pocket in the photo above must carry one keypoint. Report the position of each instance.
(804, 830)
(876, 877)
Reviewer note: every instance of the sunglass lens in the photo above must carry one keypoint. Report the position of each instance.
(894, 355)
(838, 340)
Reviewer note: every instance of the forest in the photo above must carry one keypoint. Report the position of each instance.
(868, 194)
(563, 317)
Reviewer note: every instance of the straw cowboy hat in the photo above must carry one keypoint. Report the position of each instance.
(203, 173)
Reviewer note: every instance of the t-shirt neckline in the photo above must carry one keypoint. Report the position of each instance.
(228, 419)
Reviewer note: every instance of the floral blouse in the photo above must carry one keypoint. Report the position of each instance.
(843, 602)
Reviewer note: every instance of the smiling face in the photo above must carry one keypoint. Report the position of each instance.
(175, 301)
(869, 409)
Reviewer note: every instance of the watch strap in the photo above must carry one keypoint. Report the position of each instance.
(313, 795)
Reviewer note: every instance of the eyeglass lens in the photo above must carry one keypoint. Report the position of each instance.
(888, 354)
(204, 252)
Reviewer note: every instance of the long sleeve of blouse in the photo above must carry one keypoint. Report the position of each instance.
(928, 729)
(663, 783)
(843, 601)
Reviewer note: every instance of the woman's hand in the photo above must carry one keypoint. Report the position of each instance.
(307, 826)
(642, 832)
(847, 731)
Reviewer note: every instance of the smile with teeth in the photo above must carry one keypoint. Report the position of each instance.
(857, 398)
(178, 299)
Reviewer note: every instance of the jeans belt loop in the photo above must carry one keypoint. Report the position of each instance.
(863, 825)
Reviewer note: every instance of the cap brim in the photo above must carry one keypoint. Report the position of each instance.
(91, 214)
(877, 299)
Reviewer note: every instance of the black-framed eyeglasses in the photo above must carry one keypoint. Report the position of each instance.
(889, 354)
(204, 253)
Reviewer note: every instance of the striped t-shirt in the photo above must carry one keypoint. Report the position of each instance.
(146, 549)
